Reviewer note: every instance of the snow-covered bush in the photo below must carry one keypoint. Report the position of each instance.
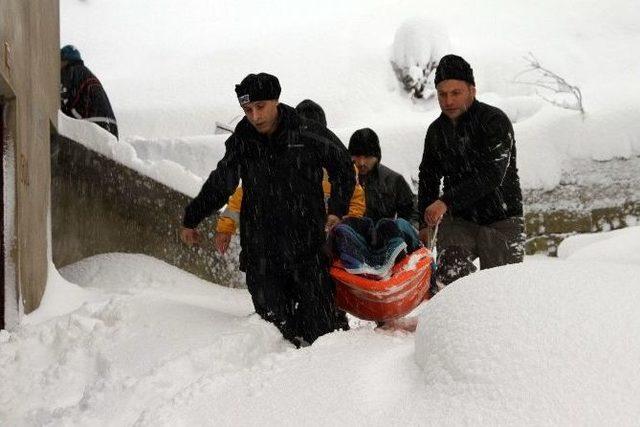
(418, 45)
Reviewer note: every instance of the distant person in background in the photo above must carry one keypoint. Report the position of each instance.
(311, 111)
(81, 93)
(471, 148)
(386, 192)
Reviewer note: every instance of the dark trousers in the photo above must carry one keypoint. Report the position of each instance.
(300, 303)
(460, 242)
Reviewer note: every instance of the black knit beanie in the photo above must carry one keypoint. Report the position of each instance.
(453, 67)
(258, 87)
(365, 142)
(70, 53)
(311, 111)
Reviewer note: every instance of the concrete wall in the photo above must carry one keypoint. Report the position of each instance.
(546, 229)
(101, 206)
(30, 83)
(606, 197)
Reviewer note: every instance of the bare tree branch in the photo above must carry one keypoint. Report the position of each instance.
(550, 81)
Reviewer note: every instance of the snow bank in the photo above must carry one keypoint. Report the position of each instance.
(620, 246)
(198, 154)
(545, 342)
(60, 297)
(145, 331)
(189, 57)
(137, 341)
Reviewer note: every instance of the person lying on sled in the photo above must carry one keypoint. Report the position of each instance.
(369, 249)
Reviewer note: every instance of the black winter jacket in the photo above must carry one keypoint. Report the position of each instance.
(386, 194)
(477, 160)
(83, 97)
(283, 212)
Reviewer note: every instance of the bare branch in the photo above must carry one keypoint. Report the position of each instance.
(551, 82)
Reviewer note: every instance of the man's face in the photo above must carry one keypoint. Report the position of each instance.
(365, 164)
(263, 115)
(455, 97)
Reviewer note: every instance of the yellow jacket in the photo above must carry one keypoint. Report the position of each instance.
(229, 218)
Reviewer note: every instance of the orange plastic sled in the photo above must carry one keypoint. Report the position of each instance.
(386, 299)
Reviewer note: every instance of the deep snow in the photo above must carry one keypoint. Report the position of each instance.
(136, 341)
(170, 69)
(126, 339)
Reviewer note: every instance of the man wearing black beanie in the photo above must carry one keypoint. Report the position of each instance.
(386, 192)
(471, 149)
(280, 159)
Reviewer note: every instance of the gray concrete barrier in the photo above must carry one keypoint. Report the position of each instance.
(100, 206)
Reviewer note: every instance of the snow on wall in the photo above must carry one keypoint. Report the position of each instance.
(198, 154)
(165, 171)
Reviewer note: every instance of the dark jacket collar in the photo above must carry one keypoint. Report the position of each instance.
(287, 120)
(371, 176)
(464, 117)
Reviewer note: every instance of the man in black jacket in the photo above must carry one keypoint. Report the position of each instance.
(81, 93)
(386, 192)
(279, 158)
(471, 148)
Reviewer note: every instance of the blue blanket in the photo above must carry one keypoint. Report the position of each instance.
(368, 249)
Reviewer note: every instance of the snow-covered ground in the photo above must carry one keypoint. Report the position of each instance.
(126, 339)
(170, 69)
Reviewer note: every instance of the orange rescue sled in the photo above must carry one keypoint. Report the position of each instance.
(385, 299)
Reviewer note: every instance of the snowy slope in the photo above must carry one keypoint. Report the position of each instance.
(136, 341)
(170, 68)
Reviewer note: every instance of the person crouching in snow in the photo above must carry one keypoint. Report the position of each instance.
(471, 148)
(280, 160)
(81, 93)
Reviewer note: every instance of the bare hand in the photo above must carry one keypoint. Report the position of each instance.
(424, 235)
(190, 236)
(332, 221)
(222, 241)
(434, 212)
